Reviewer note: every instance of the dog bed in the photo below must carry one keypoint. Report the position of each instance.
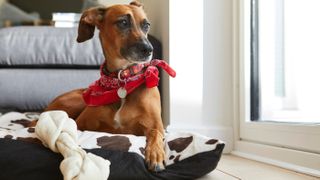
(23, 155)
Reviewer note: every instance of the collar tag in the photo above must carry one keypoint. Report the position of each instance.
(122, 92)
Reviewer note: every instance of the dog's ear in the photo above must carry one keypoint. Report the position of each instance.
(90, 18)
(136, 3)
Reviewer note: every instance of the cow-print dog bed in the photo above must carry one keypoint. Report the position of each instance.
(22, 155)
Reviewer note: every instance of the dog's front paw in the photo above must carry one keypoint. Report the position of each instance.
(154, 156)
(154, 151)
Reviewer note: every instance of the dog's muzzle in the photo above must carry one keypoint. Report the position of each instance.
(139, 51)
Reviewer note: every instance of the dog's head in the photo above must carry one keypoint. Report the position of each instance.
(123, 31)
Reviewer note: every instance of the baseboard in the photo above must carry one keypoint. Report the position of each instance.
(298, 161)
(222, 133)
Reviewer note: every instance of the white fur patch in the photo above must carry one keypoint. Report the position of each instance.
(117, 118)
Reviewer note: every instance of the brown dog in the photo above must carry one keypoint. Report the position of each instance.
(123, 35)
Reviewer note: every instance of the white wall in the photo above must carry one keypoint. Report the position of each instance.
(218, 98)
(209, 111)
(186, 56)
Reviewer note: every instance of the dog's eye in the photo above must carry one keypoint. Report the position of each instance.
(145, 26)
(123, 24)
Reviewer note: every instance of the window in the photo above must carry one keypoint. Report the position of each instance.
(285, 42)
(278, 70)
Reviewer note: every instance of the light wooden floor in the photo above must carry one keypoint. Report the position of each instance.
(234, 168)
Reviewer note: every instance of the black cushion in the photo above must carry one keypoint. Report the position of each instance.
(25, 160)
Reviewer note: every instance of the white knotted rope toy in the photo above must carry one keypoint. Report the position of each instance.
(59, 133)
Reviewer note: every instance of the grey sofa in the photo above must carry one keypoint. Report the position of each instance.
(39, 63)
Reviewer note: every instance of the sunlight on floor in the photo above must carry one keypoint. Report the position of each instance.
(232, 168)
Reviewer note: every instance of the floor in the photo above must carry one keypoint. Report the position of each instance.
(234, 168)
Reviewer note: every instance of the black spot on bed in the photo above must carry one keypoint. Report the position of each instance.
(24, 122)
(116, 143)
(180, 144)
(8, 136)
(177, 159)
(31, 130)
(142, 150)
(29, 139)
(212, 141)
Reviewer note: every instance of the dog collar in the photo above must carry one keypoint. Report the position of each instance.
(112, 86)
(123, 73)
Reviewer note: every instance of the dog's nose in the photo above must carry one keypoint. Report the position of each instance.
(144, 48)
(141, 50)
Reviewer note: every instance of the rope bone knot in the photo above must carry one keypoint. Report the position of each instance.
(59, 133)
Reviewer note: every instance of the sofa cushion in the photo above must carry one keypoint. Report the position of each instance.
(33, 89)
(47, 45)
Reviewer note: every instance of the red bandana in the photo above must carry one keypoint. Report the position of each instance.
(105, 90)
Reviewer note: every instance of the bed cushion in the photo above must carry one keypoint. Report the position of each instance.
(188, 155)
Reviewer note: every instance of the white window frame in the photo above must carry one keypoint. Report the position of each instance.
(292, 146)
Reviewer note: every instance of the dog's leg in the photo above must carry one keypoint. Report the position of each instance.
(71, 102)
(153, 130)
(143, 106)
(154, 153)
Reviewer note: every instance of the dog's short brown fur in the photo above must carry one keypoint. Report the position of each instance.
(122, 27)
